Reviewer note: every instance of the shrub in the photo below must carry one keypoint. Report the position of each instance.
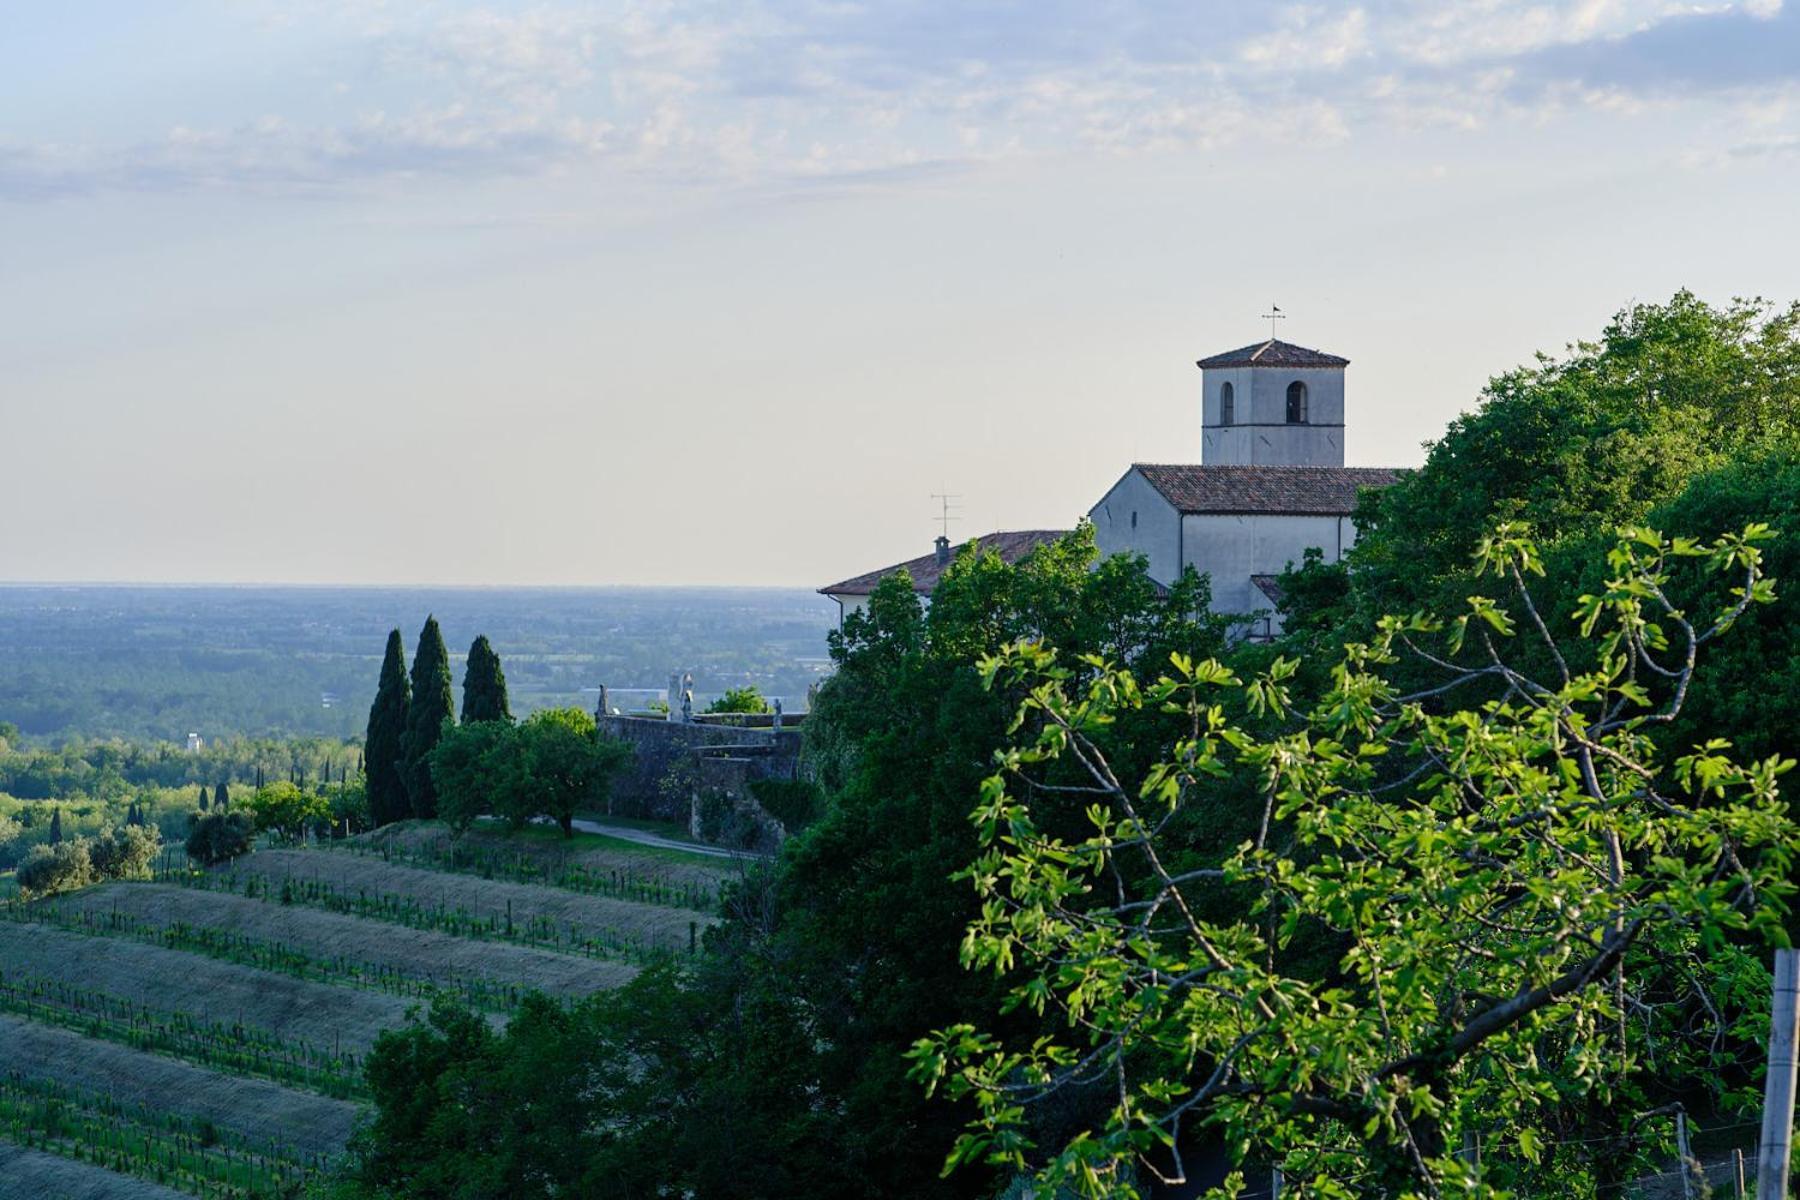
(216, 837)
(740, 700)
(58, 868)
(125, 853)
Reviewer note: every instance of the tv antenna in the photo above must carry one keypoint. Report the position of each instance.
(946, 509)
(1273, 315)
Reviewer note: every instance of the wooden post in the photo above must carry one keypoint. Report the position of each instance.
(1681, 1148)
(1773, 1154)
(1737, 1173)
(1275, 1182)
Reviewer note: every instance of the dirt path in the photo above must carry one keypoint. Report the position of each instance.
(261, 1111)
(644, 837)
(35, 1175)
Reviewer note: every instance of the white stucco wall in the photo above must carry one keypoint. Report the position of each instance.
(849, 604)
(1232, 548)
(1260, 434)
(1156, 533)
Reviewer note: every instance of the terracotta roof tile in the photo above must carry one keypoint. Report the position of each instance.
(925, 570)
(1273, 353)
(1309, 491)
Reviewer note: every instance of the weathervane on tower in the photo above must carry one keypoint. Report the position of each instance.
(1273, 315)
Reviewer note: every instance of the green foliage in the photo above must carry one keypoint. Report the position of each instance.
(349, 807)
(58, 867)
(550, 765)
(748, 699)
(1536, 916)
(1588, 442)
(796, 803)
(217, 837)
(484, 685)
(128, 852)
(478, 768)
(386, 753)
(652, 1090)
(123, 853)
(567, 764)
(285, 809)
(432, 705)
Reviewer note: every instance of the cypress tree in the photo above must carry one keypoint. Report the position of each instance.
(387, 735)
(433, 703)
(222, 797)
(56, 827)
(203, 800)
(484, 685)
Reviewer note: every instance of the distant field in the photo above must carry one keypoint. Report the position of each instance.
(157, 662)
(184, 1038)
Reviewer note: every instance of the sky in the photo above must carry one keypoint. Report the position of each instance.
(722, 293)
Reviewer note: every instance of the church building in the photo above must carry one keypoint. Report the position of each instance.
(1270, 484)
(1271, 481)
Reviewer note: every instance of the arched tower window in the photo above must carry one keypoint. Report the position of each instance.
(1296, 403)
(1227, 405)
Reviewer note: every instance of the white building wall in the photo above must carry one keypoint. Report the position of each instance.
(1231, 548)
(1260, 434)
(1134, 518)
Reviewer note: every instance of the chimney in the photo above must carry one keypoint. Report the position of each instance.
(943, 550)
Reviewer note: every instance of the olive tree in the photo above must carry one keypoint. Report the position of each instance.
(1531, 927)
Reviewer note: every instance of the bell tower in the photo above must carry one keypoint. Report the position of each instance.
(1272, 404)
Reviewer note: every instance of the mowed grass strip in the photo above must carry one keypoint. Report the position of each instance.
(464, 905)
(393, 957)
(35, 1174)
(210, 992)
(151, 1143)
(285, 1121)
(588, 863)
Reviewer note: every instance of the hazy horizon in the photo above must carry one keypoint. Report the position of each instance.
(453, 294)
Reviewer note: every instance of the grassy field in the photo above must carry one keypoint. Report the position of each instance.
(203, 1035)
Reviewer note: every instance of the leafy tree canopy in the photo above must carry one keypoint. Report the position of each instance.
(1587, 442)
(286, 809)
(1542, 927)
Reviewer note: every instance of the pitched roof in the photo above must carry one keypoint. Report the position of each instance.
(925, 570)
(1268, 585)
(1273, 354)
(1302, 491)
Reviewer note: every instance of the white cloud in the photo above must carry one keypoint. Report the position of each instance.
(701, 90)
